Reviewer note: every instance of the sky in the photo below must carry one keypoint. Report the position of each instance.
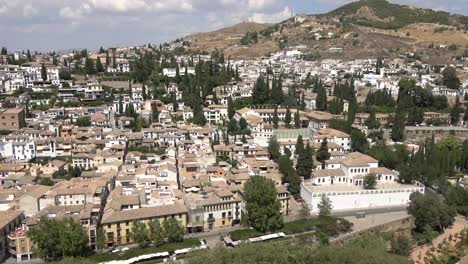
(46, 25)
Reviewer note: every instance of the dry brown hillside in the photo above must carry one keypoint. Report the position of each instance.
(362, 29)
(224, 39)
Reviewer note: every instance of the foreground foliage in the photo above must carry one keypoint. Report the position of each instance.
(54, 239)
(368, 249)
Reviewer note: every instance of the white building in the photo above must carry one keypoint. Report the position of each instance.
(215, 114)
(342, 181)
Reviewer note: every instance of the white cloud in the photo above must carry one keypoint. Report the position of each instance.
(119, 5)
(272, 17)
(77, 13)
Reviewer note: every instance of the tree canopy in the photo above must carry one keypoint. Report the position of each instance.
(262, 207)
(55, 239)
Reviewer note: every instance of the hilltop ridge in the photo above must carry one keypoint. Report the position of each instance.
(361, 29)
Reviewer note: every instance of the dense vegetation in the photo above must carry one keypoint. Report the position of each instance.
(391, 16)
(56, 239)
(368, 249)
(262, 207)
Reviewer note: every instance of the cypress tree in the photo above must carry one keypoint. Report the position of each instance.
(231, 108)
(277, 95)
(107, 58)
(321, 99)
(299, 146)
(99, 67)
(287, 118)
(44, 72)
(322, 153)
(275, 118)
(297, 121)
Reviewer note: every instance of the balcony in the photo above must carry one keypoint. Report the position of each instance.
(211, 219)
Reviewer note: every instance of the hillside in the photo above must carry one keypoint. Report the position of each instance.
(385, 15)
(361, 29)
(224, 39)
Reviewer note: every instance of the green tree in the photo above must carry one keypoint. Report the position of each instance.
(173, 230)
(277, 95)
(233, 127)
(28, 55)
(430, 211)
(89, 66)
(450, 78)
(139, 233)
(401, 245)
(231, 108)
(274, 148)
(198, 116)
(359, 141)
(465, 115)
(55, 239)
(305, 163)
(260, 92)
(370, 181)
(325, 206)
(155, 112)
(243, 126)
(43, 72)
(275, 118)
(100, 239)
(322, 153)
(287, 118)
(46, 181)
(262, 207)
(299, 145)
(297, 120)
(398, 128)
(372, 122)
(455, 113)
(99, 67)
(321, 101)
(83, 121)
(415, 116)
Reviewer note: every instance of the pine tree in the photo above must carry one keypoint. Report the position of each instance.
(321, 99)
(120, 105)
(287, 118)
(260, 91)
(155, 112)
(274, 149)
(299, 146)
(231, 108)
(28, 55)
(275, 118)
(277, 95)
(178, 79)
(44, 72)
(297, 120)
(398, 128)
(99, 67)
(372, 122)
(107, 58)
(304, 162)
(89, 66)
(322, 153)
(198, 116)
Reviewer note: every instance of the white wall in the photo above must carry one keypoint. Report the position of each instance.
(362, 199)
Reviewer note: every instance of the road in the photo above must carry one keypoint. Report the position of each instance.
(374, 217)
